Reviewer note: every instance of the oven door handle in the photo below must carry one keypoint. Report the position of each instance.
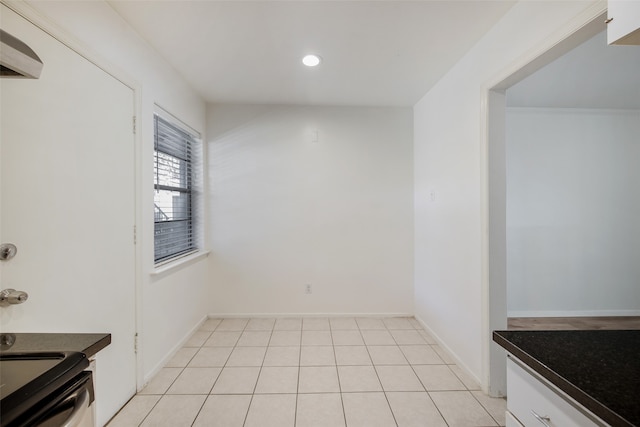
(79, 408)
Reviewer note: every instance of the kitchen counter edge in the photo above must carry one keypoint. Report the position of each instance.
(590, 403)
(87, 343)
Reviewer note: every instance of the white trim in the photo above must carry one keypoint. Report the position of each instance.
(140, 238)
(172, 118)
(575, 313)
(578, 29)
(303, 315)
(174, 350)
(180, 262)
(50, 27)
(581, 28)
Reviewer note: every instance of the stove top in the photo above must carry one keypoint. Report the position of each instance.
(27, 378)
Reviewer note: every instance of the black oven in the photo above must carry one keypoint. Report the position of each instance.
(45, 389)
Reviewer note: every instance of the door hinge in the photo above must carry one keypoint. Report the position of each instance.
(135, 343)
(134, 124)
(135, 235)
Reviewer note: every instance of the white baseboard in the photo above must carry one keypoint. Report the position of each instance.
(308, 315)
(451, 353)
(161, 364)
(574, 313)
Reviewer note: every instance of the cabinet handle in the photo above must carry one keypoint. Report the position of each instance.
(608, 20)
(544, 420)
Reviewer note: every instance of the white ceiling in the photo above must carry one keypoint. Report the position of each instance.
(375, 53)
(593, 75)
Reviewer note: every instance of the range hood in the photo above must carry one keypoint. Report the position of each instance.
(17, 59)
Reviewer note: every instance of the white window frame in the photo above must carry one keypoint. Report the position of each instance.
(194, 220)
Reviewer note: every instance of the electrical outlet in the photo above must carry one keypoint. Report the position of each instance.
(307, 289)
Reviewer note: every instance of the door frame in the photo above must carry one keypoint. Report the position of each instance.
(493, 182)
(63, 36)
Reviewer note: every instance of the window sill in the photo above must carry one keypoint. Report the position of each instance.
(179, 263)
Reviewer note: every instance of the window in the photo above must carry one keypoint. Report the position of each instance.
(175, 157)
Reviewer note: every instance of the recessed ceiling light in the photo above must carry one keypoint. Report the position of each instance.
(311, 60)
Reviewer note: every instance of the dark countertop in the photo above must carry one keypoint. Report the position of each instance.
(600, 369)
(89, 344)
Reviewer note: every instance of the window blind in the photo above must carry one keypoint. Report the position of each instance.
(174, 157)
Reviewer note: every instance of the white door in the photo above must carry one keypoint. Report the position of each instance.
(67, 203)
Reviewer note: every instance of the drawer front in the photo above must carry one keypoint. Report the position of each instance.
(512, 421)
(535, 404)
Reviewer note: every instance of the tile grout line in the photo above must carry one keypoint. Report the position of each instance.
(373, 365)
(483, 407)
(344, 413)
(162, 396)
(378, 375)
(205, 399)
(221, 369)
(214, 382)
(425, 387)
(264, 356)
(295, 412)
(218, 377)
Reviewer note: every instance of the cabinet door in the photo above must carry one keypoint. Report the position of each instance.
(67, 201)
(623, 22)
(535, 404)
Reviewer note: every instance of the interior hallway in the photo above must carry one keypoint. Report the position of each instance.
(305, 372)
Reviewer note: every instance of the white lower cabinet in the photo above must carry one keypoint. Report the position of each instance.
(534, 402)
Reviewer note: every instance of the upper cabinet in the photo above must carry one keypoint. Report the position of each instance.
(623, 23)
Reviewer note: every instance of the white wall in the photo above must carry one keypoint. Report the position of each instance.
(448, 154)
(287, 210)
(573, 203)
(165, 317)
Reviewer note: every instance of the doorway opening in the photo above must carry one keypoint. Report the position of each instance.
(494, 167)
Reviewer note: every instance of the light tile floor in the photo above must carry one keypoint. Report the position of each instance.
(311, 372)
